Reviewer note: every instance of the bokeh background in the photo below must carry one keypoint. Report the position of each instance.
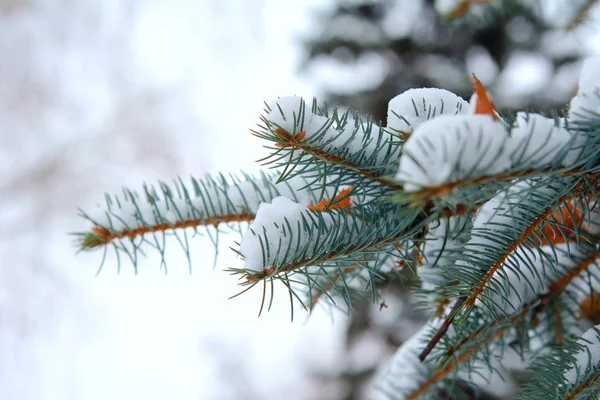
(96, 95)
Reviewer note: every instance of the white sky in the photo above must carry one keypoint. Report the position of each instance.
(206, 67)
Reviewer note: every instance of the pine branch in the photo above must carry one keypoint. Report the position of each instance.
(135, 220)
(316, 142)
(504, 251)
(486, 333)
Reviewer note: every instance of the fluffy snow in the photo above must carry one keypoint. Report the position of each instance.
(585, 106)
(449, 148)
(264, 227)
(584, 283)
(400, 18)
(87, 114)
(494, 218)
(561, 44)
(526, 272)
(592, 225)
(588, 358)
(413, 107)
(537, 141)
(355, 29)
(271, 241)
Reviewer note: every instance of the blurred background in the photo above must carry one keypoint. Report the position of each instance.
(96, 95)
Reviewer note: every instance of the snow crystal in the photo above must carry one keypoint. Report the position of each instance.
(449, 148)
(537, 141)
(590, 74)
(415, 106)
(587, 358)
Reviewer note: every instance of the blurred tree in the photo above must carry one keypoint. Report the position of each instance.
(366, 52)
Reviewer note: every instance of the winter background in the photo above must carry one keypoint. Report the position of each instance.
(96, 95)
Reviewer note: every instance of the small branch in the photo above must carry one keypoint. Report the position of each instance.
(443, 329)
(476, 291)
(589, 382)
(293, 142)
(379, 243)
(430, 193)
(560, 284)
(340, 201)
(101, 236)
(581, 15)
(441, 373)
(512, 319)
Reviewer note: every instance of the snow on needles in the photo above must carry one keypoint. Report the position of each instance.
(342, 132)
(588, 358)
(291, 115)
(405, 371)
(410, 109)
(266, 243)
(450, 144)
(586, 104)
(283, 233)
(213, 200)
(538, 142)
(449, 148)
